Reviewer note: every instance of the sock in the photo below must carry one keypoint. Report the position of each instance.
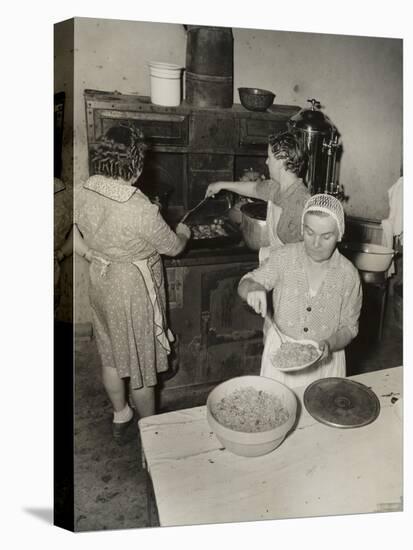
(123, 416)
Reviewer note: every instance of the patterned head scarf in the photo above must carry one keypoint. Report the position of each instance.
(329, 205)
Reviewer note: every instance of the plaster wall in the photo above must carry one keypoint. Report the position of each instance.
(358, 81)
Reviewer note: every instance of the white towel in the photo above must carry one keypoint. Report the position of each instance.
(393, 225)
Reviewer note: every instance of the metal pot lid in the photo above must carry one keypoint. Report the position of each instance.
(341, 403)
(256, 210)
(312, 120)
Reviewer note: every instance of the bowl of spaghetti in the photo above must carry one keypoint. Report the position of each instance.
(251, 415)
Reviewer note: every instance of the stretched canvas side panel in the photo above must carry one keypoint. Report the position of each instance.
(63, 276)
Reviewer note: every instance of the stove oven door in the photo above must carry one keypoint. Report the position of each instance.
(218, 336)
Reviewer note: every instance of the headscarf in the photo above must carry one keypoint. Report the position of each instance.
(328, 204)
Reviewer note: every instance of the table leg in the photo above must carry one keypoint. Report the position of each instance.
(151, 511)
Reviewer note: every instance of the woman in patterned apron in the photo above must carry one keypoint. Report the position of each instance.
(316, 293)
(284, 192)
(125, 235)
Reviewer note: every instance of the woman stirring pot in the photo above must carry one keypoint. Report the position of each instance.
(316, 293)
(123, 235)
(284, 192)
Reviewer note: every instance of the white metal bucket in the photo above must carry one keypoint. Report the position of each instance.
(165, 83)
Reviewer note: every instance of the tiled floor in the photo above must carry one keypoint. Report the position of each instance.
(110, 484)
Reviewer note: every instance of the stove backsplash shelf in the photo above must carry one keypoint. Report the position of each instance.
(189, 147)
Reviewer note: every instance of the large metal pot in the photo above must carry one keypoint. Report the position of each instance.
(254, 226)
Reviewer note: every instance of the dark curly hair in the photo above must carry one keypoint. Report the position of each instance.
(120, 153)
(287, 146)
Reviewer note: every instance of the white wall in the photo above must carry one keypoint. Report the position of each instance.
(357, 79)
(359, 82)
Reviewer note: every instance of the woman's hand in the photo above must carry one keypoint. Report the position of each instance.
(213, 189)
(182, 229)
(324, 346)
(59, 255)
(257, 299)
(89, 255)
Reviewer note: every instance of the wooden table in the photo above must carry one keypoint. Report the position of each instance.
(317, 471)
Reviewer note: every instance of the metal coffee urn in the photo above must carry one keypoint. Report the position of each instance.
(319, 137)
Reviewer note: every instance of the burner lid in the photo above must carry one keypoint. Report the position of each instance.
(341, 403)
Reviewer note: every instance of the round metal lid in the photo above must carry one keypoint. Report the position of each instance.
(341, 403)
(311, 120)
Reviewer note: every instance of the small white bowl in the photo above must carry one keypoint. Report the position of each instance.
(252, 443)
(368, 256)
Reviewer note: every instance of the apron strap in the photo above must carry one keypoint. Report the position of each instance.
(162, 333)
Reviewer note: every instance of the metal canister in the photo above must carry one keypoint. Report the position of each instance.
(209, 66)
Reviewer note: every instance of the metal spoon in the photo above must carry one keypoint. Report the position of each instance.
(277, 330)
(193, 209)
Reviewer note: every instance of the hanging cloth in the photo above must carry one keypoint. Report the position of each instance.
(273, 217)
(393, 225)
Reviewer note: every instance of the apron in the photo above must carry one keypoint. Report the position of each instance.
(273, 217)
(335, 365)
(146, 267)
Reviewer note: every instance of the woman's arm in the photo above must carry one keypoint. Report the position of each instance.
(67, 247)
(184, 234)
(79, 245)
(158, 233)
(244, 188)
(254, 294)
(74, 242)
(253, 286)
(337, 341)
(349, 316)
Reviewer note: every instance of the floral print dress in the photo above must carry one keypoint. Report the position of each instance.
(126, 280)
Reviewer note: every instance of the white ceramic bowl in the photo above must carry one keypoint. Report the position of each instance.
(367, 256)
(304, 365)
(256, 443)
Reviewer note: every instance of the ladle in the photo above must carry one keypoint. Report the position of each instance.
(277, 330)
(193, 209)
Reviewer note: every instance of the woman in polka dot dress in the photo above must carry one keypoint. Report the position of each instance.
(316, 293)
(125, 235)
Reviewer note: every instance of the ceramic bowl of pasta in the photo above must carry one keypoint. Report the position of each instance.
(251, 415)
(294, 355)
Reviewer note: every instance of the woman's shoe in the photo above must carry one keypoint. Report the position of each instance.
(119, 429)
